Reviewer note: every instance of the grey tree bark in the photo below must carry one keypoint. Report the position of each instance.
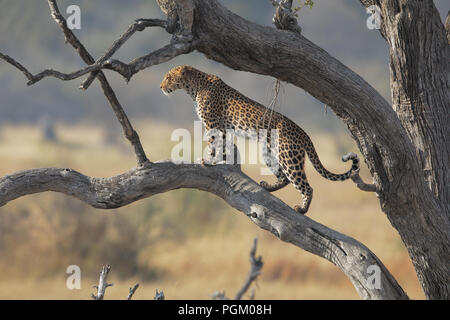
(404, 145)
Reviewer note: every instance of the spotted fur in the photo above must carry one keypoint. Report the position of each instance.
(221, 107)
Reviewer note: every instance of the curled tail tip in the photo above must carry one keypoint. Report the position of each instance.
(350, 156)
(355, 159)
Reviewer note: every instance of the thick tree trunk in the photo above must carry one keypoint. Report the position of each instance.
(404, 147)
(419, 70)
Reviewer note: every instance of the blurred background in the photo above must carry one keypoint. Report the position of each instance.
(186, 242)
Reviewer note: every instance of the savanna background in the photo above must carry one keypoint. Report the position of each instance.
(186, 242)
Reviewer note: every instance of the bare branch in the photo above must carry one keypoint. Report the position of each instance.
(284, 18)
(219, 295)
(102, 283)
(127, 70)
(19, 66)
(225, 181)
(159, 295)
(138, 25)
(159, 56)
(132, 291)
(48, 72)
(256, 266)
(127, 128)
(356, 178)
(361, 184)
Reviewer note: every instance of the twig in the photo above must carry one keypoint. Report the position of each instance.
(159, 295)
(256, 266)
(132, 291)
(138, 25)
(219, 295)
(102, 283)
(252, 295)
(32, 79)
(284, 18)
(356, 178)
(16, 64)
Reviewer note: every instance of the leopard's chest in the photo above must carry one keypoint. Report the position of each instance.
(207, 111)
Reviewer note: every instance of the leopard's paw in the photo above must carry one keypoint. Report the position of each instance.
(264, 185)
(299, 209)
(207, 163)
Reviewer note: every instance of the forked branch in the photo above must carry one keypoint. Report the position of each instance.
(138, 25)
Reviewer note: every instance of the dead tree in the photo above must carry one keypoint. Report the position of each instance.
(404, 144)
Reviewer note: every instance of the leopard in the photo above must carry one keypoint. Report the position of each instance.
(221, 107)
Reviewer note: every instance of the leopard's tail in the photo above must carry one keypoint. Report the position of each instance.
(314, 158)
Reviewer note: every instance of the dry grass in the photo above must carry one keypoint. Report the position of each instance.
(200, 261)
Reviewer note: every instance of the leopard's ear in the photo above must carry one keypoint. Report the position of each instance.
(186, 70)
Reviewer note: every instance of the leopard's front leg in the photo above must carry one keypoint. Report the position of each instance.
(210, 153)
(215, 149)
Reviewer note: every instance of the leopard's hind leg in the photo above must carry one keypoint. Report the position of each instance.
(272, 162)
(307, 193)
(292, 164)
(282, 181)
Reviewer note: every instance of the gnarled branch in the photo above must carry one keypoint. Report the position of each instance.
(225, 181)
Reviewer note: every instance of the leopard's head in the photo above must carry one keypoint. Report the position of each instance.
(178, 78)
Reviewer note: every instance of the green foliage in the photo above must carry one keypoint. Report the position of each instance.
(301, 4)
